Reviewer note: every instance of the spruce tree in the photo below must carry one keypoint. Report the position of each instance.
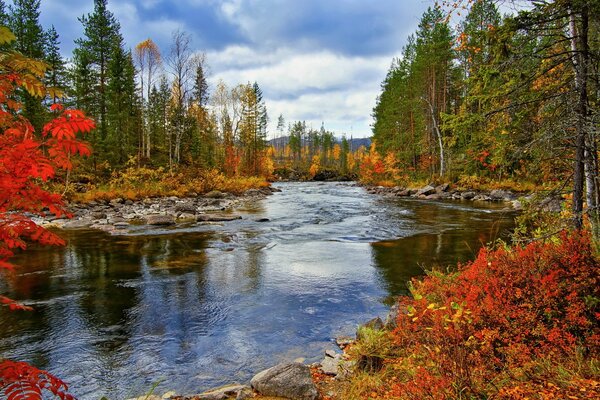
(24, 21)
(92, 58)
(56, 75)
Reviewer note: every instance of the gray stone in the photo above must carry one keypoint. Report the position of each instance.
(442, 188)
(77, 224)
(468, 195)
(116, 202)
(501, 195)
(187, 217)
(222, 393)
(245, 394)
(427, 190)
(215, 194)
(551, 204)
(158, 219)
(331, 363)
(189, 208)
(344, 341)
(217, 217)
(98, 215)
(392, 317)
(517, 205)
(289, 380)
(252, 192)
(331, 353)
(403, 193)
(434, 196)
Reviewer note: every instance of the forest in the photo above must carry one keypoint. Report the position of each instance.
(484, 94)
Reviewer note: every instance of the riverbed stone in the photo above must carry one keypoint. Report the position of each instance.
(392, 317)
(344, 341)
(434, 196)
(159, 219)
(215, 194)
(217, 217)
(426, 190)
(501, 195)
(468, 195)
(289, 380)
(331, 363)
(222, 393)
(442, 188)
(78, 224)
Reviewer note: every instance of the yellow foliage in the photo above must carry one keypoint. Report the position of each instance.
(315, 166)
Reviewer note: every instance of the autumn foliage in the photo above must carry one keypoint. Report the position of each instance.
(513, 324)
(27, 160)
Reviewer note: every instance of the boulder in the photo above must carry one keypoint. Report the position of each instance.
(159, 219)
(344, 341)
(189, 208)
(116, 202)
(222, 393)
(468, 195)
(217, 217)
(187, 217)
(442, 188)
(434, 196)
(290, 380)
(331, 363)
(215, 194)
(427, 190)
(392, 317)
(501, 195)
(77, 224)
(403, 193)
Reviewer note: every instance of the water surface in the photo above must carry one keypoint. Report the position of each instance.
(202, 305)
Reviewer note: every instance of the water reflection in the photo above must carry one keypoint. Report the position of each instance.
(204, 305)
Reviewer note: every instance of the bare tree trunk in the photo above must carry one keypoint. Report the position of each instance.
(438, 134)
(580, 49)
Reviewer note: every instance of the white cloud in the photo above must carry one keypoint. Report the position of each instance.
(319, 86)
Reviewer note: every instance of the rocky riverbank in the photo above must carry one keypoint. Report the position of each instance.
(119, 215)
(446, 192)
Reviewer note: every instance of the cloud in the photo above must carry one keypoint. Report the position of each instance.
(315, 60)
(314, 86)
(347, 26)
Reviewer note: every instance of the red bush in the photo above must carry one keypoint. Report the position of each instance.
(498, 314)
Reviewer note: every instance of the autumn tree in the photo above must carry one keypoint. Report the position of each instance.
(149, 60)
(91, 67)
(27, 161)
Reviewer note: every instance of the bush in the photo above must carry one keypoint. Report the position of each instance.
(512, 324)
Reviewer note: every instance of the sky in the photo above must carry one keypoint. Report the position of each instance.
(315, 60)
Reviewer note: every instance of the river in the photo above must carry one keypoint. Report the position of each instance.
(201, 305)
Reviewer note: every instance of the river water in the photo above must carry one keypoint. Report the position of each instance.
(198, 306)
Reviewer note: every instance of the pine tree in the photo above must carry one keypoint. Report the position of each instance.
(24, 21)
(92, 58)
(123, 114)
(56, 75)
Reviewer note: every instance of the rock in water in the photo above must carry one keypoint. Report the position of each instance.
(290, 380)
(160, 219)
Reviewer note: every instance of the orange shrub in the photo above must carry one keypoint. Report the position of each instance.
(488, 328)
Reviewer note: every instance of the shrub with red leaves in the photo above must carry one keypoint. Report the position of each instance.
(498, 315)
